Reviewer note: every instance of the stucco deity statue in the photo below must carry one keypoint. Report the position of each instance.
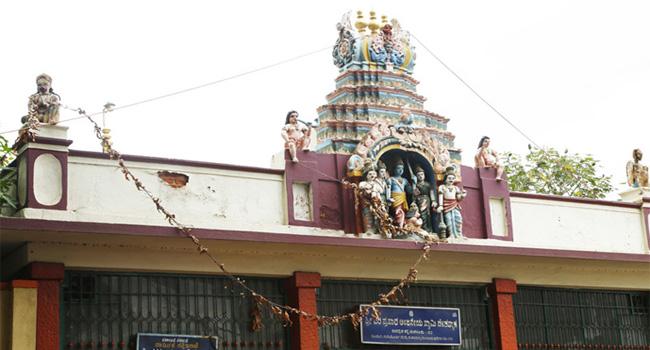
(344, 48)
(369, 193)
(382, 184)
(44, 104)
(296, 136)
(637, 174)
(449, 199)
(424, 198)
(399, 186)
(414, 219)
(488, 158)
(388, 46)
(405, 123)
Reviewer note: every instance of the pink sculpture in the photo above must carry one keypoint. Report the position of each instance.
(296, 136)
(486, 157)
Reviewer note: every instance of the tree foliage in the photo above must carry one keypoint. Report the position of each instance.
(6, 180)
(549, 172)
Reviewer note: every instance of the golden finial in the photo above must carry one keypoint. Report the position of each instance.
(105, 137)
(384, 20)
(373, 25)
(361, 24)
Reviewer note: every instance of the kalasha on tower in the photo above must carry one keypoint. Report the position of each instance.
(376, 99)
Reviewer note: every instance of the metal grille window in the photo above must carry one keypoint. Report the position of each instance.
(342, 297)
(108, 309)
(578, 317)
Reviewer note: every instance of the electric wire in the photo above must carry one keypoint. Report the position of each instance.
(503, 117)
(195, 87)
(311, 53)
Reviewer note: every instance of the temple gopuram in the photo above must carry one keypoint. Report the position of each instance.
(375, 85)
(378, 239)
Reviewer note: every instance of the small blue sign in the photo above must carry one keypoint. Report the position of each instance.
(410, 325)
(149, 341)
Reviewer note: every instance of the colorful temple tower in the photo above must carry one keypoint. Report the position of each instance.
(375, 85)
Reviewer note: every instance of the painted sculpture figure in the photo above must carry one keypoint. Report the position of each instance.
(486, 157)
(382, 185)
(369, 193)
(405, 123)
(449, 198)
(637, 174)
(398, 188)
(44, 104)
(414, 220)
(424, 198)
(296, 136)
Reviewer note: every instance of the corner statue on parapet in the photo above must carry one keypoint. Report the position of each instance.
(486, 157)
(449, 199)
(44, 104)
(637, 173)
(296, 136)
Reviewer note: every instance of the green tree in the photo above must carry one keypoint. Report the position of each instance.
(6, 174)
(549, 172)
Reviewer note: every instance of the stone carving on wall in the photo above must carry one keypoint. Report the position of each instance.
(302, 201)
(637, 174)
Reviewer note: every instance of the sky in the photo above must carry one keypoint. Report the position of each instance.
(569, 74)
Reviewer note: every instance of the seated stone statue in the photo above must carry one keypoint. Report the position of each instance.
(44, 104)
(488, 158)
(637, 174)
(295, 136)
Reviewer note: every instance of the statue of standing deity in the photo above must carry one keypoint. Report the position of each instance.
(425, 199)
(382, 184)
(369, 194)
(449, 199)
(399, 186)
(44, 104)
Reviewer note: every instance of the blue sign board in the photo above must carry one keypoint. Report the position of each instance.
(148, 341)
(408, 325)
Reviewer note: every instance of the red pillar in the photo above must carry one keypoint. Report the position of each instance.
(49, 277)
(301, 290)
(503, 316)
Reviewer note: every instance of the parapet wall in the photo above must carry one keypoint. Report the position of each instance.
(307, 198)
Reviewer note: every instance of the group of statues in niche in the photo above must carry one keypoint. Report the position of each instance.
(430, 210)
(411, 204)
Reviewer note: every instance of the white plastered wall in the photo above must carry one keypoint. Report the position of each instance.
(565, 225)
